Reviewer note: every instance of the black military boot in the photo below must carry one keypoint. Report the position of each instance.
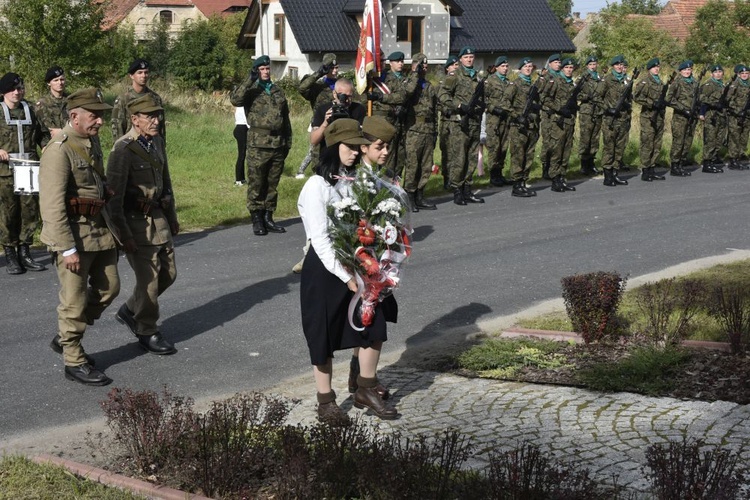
(271, 226)
(655, 176)
(13, 266)
(470, 197)
(259, 227)
(646, 174)
(608, 181)
(545, 170)
(557, 186)
(497, 179)
(617, 180)
(565, 184)
(734, 164)
(520, 190)
(709, 168)
(676, 170)
(623, 167)
(421, 203)
(24, 255)
(458, 196)
(413, 202)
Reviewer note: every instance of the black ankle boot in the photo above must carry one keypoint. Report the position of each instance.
(617, 180)
(13, 266)
(520, 190)
(413, 202)
(421, 203)
(271, 226)
(545, 171)
(24, 255)
(259, 227)
(470, 197)
(646, 174)
(608, 177)
(458, 196)
(557, 186)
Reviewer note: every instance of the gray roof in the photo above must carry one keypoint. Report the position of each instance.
(322, 26)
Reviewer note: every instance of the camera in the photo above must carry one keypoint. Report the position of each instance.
(340, 106)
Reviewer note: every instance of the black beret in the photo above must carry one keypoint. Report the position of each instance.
(52, 73)
(10, 82)
(136, 65)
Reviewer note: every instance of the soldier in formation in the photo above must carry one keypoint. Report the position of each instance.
(559, 101)
(714, 118)
(649, 94)
(590, 112)
(497, 125)
(681, 97)
(738, 128)
(547, 116)
(616, 125)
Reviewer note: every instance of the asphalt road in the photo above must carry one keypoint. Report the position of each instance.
(234, 310)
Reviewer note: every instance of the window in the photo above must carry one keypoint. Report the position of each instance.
(294, 72)
(279, 28)
(409, 30)
(166, 16)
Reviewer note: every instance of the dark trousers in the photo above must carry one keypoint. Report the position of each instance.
(240, 135)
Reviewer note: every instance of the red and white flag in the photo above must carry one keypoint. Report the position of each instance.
(368, 51)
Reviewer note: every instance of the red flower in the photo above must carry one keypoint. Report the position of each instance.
(366, 235)
(362, 223)
(367, 311)
(368, 261)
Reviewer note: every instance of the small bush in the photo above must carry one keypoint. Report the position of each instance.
(730, 305)
(668, 307)
(591, 302)
(680, 471)
(498, 354)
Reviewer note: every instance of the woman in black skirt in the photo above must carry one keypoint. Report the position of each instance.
(327, 286)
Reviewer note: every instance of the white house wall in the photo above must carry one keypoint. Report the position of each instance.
(266, 45)
(436, 28)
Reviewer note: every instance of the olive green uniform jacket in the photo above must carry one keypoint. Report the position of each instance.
(647, 93)
(52, 112)
(715, 122)
(680, 99)
(738, 102)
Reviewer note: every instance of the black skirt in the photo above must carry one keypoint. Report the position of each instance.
(324, 301)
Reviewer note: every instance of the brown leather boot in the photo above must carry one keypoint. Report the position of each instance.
(329, 412)
(354, 373)
(367, 397)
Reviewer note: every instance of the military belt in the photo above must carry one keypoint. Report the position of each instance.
(265, 131)
(85, 206)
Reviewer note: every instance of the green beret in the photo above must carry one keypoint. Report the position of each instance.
(652, 63)
(262, 61)
(346, 131)
(619, 59)
(740, 68)
(329, 58)
(418, 57)
(591, 59)
(716, 67)
(144, 104)
(396, 56)
(568, 61)
(9, 82)
(685, 65)
(377, 127)
(501, 60)
(553, 58)
(90, 99)
(524, 62)
(450, 61)
(465, 51)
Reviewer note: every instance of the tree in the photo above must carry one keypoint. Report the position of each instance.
(647, 7)
(561, 9)
(238, 61)
(197, 57)
(719, 33)
(37, 34)
(157, 49)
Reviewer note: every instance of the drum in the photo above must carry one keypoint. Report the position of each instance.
(25, 175)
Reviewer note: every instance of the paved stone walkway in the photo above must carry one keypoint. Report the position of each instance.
(606, 433)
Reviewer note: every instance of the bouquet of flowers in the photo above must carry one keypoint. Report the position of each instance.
(372, 238)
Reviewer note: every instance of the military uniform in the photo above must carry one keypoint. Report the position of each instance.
(560, 127)
(121, 117)
(72, 192)
(52, 112)
(268, 143)
(497, 124)
(547, 117)
(317, 88)
(524, 130)
(444, 132)
(19, 214)
(714, 123)
(647, 93)
(616, 123)
(738, 128)
(680, 98)
(590, 113)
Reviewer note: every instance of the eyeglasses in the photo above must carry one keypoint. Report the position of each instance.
(150, 118)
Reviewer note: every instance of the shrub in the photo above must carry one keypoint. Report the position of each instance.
(730, 305)
(669, 307)
(679, 470)
(591, 302)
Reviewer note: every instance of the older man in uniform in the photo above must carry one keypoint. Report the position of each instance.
(51, 110)
(318, 89)
(140, 74)
(738, 128)
(680, 98)
(450, 67)
(77, 231)
(143, 211)
(590, 114)
(647, 93)
(421, 130)
(454, 97)
(19, 214)
(616, 126)
(714, 119)
(498, 126)
(269, 139)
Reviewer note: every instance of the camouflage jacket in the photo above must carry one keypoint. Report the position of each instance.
(457, 89)
(316, 90)
(558, 93)
(738, 97)
(121, 118)
(590, 98)
(141, 178)
(647, 93)
(711, 94)
(613, 90)
(32, 136)
(52, 112)
(422, 111)
(495, 89)
(680, 94)
(267, 114)
(72, 167)
(393, 106)
(514, 102)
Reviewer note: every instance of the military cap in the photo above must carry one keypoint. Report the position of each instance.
(450, 61)
(652, 63)
(501, 60)
(468, 50)
(346, 131)
(377, 127)
(144, 104)
(138, 64)
(553, 58)
(90, 99)
(9, 82)
(261, 61)
(329, 58)
(418, 57)
(716, 67)
(685, 65)
(52, 73)
(568, 61)
(396, 56)
(591, 59)
(618, 59)
(740, 68)
(524, 62)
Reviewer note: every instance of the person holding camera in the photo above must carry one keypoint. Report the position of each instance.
(342, 105)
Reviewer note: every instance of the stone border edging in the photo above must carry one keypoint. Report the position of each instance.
(117, 480)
